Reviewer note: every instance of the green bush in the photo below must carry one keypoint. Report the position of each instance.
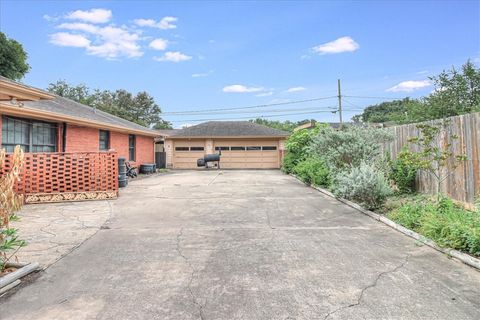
(403, 171)
(445, 223)
(313, 171)
(297, 147)
(363, 184)
(350, 147)
(289, 162)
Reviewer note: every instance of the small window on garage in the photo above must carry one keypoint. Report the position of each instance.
(197, 148)
(237, 148)
(222, 148)
(182, 148)
(254, 148)
(269, 148)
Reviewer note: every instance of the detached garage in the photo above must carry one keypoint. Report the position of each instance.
(243, 145)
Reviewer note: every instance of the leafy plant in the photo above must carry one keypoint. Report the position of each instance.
(10, 202)
(297, 147)
(313, 171)
(434, 158)
(362, 184)
(404, 170)
(444, 222)
(349, 147)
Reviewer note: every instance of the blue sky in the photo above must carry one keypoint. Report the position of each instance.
(204, 55)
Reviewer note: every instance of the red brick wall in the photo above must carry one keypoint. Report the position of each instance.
(144, 149)
(87, 139)
(84, 139)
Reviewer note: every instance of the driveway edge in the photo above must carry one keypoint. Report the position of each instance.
(463, 257)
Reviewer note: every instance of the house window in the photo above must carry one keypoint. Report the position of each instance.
(181, 148)
(222, 148)
(131, 147)
(254, 148)
(269, 148)
(197, 148)
(31, 135)
(237, 148)
(104, 140)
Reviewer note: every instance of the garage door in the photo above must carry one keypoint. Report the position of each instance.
(248, 154)
(186, 153)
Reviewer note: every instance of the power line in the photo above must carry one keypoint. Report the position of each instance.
(367, 97)
(259, 111)
(271, 116)
(249, 107)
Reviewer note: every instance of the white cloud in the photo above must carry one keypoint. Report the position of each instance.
(200, 75)
(264, 94)
(108, 42)
(238, 88)
(343, 44)
(93, 15)
(409, 86)
(173, 56)
(65, 39)
(159, 44)
(79, 26)
(165, 23)
(296, 89)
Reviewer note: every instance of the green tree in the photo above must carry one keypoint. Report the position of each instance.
(456, 92)
(13, 59)
(280, 125)
(140, 108)
(163, 124)
(396, 111)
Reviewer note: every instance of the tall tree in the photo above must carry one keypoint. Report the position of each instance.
(456, 92)
(140, 108)
(280, 125)
(13, 59)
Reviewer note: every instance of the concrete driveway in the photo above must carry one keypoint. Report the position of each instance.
(245, 245)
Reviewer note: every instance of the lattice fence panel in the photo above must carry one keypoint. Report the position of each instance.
(68, 176)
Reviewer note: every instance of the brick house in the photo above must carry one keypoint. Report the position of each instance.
(41, 122)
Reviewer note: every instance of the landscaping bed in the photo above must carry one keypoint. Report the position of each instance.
(350, 165)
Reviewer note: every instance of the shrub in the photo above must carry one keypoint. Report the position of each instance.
(297, 147)
(446, 223)
(403, 171)
(313, 171)
(289, 162)
(362, 184)
(349, 147)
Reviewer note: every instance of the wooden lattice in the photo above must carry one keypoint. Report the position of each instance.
(66, 174)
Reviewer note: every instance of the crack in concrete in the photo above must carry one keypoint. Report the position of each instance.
(372, 285)
(192, 275)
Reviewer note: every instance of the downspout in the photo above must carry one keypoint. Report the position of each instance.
(64, 137)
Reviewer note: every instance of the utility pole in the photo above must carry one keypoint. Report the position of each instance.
(340, 104)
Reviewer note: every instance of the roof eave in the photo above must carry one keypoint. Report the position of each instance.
(228, 137)
(23, 111)
(22, 93)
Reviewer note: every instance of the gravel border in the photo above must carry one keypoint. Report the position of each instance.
(463, 257)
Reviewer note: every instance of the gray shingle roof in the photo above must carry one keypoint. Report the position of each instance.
(69, 107)
(229, 129)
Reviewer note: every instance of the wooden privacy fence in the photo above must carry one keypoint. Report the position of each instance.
(464, 183)
(54, 177)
